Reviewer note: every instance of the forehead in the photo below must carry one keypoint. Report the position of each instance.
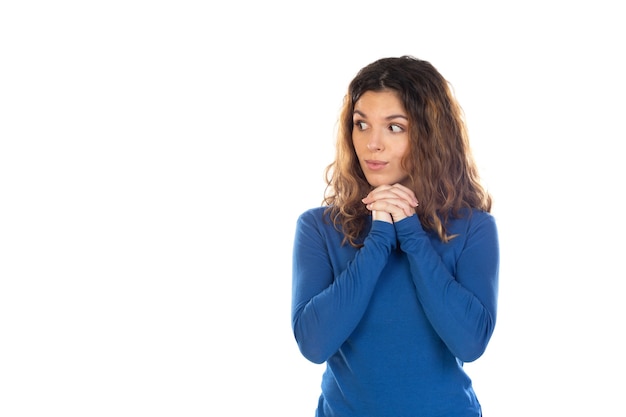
(379, 101)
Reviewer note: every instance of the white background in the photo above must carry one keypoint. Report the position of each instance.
(154, 156)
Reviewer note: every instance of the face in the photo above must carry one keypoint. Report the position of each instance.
(381, 136)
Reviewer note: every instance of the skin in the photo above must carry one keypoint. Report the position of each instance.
(381, 138)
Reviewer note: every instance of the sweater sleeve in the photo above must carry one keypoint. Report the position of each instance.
(460, 305)
(328, 304)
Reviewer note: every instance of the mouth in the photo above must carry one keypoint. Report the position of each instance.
(375, 165)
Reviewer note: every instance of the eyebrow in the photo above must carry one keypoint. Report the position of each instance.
(390, 117)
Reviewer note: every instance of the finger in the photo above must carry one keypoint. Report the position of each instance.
(396, 207)
(379, 193)
(405, 193)
(391, 192)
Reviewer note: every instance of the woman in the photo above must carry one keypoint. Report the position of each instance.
(395, 276)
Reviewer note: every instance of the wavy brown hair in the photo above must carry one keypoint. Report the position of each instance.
(442, 170)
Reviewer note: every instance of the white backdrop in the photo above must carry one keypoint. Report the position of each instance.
(154, 157)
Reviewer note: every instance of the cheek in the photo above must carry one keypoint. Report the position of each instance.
(408, 162)
(358, 146)
(402, 151)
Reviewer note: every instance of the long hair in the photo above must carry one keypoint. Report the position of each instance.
(442, 171)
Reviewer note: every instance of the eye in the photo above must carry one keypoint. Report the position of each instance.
(360, 125)
(396, 128)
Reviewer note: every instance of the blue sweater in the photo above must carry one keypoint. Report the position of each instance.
(395, 320)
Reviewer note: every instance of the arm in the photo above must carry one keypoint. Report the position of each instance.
(327, 304)
(460, 307)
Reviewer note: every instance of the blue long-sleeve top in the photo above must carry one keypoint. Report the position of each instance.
(396, 319)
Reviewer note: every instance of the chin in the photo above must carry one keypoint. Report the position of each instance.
(378, 181)
(374, 182)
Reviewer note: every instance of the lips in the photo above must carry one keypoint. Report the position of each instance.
(375, 165)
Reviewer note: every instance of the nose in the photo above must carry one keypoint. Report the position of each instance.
(374, 144)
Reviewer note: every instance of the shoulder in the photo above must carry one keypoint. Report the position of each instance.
(316, 217)
(315, 214)
(470, 220)
(474, 215)
(315, 225)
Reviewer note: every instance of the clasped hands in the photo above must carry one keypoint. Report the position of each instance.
(391, 203)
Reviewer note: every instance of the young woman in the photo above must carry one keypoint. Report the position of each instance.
(395, 276)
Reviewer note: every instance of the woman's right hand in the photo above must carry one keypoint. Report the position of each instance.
(391, 203)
